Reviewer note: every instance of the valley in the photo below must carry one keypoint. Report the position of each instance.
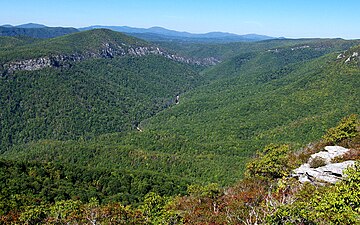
(93, 114)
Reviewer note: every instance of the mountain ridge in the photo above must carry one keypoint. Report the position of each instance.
(35, 31)
(154, 33)
(167, 33)
(98, 43)
(130, 77)
(31, 25)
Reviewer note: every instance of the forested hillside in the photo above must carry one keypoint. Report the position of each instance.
(284, 96)
(225, 51)
(36, 32)
(52, 194)
(90, 120)
(89, 97)
(279, 97)
(12, 42)
(94, 41)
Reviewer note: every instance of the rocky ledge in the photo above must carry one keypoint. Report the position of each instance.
(350, 56)
(107, 51)
(327, 173)
(354, 57)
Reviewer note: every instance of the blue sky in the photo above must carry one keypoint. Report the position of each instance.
(288, 18)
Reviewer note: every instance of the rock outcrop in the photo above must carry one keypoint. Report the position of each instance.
(107, 51)
(340, 56)
(43, 62)
(353, 57)
(328, 173)
(330, 153)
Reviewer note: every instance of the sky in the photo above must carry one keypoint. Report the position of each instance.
(277, 18)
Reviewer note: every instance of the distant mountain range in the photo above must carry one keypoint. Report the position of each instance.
(150, 34)
(161, 34)
(35, 30)
(27, 25)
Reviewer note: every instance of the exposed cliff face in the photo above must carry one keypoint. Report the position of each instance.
(42, 62)
(107, 51)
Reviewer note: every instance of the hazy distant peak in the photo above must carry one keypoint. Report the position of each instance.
(161, 33)
(7, 25)
(31, 25)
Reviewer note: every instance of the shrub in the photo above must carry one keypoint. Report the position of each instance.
(272, 163)
(352, 154)
(317, 162)
(338, 204)
(347, 128)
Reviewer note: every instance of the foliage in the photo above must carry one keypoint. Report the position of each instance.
(352, 154)
(76, 212)
(234, 206)
(86, 42)
(317, 162)
(88, 99)
(208, 191)
(64, 210)
(208, 137)
(11, 42)
(285, 97)
(253, 200)
(347, 128)
(342, 204)
(273, 163)
(157, 210)
(228, 50)
(339, 204)
(73, 156)
(258, 200)
(29, 185)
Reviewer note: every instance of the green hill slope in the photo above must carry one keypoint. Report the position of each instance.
(12, 42)
(94, 41)
(226, 51)
(265, 100)
(88, 97)
(287, 96)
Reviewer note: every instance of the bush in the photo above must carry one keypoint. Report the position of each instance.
(352, 154)
(317, 162)
(272, 163)
(338, 204)
(347, 128)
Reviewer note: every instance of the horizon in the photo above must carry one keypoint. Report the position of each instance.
(95, 25)
(14, 25)
(305, 19)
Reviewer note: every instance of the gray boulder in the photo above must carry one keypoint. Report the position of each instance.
(330, 153)
(329, 173)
